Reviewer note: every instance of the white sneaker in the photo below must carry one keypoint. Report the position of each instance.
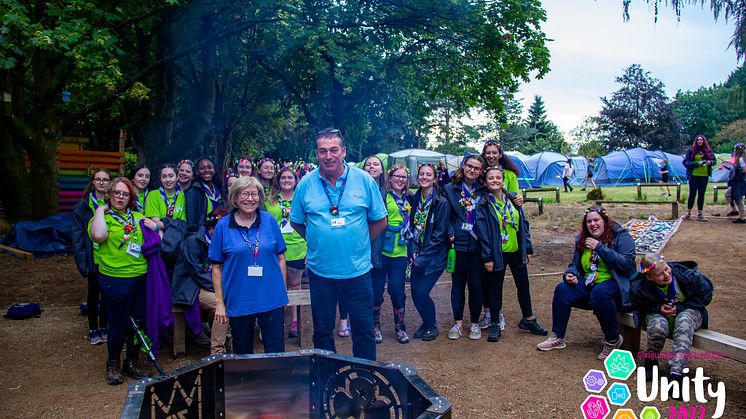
(552, 342)
(501, 321)
(475, 333)
(455, 332)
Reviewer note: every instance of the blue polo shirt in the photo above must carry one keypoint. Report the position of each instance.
(342, 251)
(244, 294)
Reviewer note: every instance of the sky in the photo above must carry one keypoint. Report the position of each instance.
(592, 45)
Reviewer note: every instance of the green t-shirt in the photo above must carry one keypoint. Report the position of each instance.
(155, 206)
(511, 181)
(99, 202)
(699, 170)
(395, 220)
(113, 257)
(603, 273)
(141, 198)
(512, 224)
(296, 246)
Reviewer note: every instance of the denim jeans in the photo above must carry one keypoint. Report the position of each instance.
(396, 271)
(124, 298)
(358, 294)
(421, 286)
(604, 299)
(272, 325)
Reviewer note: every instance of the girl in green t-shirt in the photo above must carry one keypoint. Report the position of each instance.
(168, 201)
(116, 228)
(278, 204)
(140, 178)
(698, 161)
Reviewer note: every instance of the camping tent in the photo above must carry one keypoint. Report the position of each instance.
(725, 163)
(525, 178)
(628, 167)
(547, 166)
(413, 158)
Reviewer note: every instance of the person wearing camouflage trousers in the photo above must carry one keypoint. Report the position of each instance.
(671, 297)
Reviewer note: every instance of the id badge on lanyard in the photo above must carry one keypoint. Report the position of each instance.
(134, 250)
(338, 222)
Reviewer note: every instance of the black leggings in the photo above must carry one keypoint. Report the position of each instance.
(496, 279)
(697, 186)
(96, 312)
(468, 271)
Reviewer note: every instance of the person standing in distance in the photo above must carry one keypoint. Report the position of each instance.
(338, 208)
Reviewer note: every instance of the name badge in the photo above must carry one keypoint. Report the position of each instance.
(134, 250)
(504, 238)
(338, 222)
(467, 227)
(256, 271)
(287, 229)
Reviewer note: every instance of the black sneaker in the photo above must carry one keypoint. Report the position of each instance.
(532, 326)
(130, 369)
(430, 334)
(419, 332)
(495, 333)
(649, 364)
(113, 373)
(732, 213)
(739, 221)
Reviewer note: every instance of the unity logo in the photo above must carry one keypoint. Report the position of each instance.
(620, 365)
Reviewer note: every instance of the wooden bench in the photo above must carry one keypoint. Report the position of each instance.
(704, 339)
(715, 190)
(555, 190)
(659, 185)
(297, 298)
(539, 201)
(674, 205)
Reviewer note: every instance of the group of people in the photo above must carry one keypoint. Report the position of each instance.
(357, 233)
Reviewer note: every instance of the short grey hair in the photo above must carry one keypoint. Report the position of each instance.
(242, 183)
(330, 133)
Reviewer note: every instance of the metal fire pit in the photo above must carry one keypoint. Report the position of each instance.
(305, 384)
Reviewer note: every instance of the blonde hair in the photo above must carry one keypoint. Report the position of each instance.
(242, 183)
(649, 261)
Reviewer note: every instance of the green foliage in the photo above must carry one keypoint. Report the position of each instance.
(595, 194)
(130, 161)
(706, 111)
(587, 138)
(639, 115)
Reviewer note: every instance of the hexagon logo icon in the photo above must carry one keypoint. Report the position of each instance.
(594, 381)
(620, 364)
(650, 412)
(625, 414)
(595, 407)
(618, 394)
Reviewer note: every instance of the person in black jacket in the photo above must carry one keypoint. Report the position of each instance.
(670, 297)
(597, 279)
(86, 257)
(698, 161)
(503, 231)
(463, 195)
(192, 280)
(428, 248)
(203, 196)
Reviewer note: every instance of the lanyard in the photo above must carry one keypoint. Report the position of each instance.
(469, 201)
(334, 209)
(284, 209)
(670, 291)
(404, 208)
(594, 267)
(420, 216)
(127, 223)
(139, 203)
(169, 205)
(93, 200)
(254, 247)
(212, 196)
(506, 211)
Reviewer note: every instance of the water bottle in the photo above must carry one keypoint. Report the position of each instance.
(451, 260)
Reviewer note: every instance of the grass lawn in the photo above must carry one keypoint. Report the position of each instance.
(629, 193)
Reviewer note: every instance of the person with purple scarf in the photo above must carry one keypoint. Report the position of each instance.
(117, 228)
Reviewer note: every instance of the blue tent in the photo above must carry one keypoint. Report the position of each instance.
(547, 166)
(525, 178)
(628, 167)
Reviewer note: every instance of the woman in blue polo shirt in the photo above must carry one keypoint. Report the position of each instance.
(247, 253)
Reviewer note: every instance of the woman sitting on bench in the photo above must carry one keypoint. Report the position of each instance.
(672, 297)
(597, 279)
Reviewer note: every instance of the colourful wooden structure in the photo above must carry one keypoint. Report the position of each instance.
(74, 169)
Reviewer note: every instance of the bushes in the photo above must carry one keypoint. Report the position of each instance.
(596, 194)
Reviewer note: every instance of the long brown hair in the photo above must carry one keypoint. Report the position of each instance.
(608, 233)
(275, 188)
(458, 175)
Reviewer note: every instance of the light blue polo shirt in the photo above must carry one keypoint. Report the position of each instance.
(344, 251)
(244, 294)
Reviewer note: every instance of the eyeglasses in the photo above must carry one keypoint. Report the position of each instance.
(247, 195)
(120, 194)
(399, 177)
(101, 180)
(473, 168)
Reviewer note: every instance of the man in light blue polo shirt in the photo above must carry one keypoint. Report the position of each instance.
(337, 209)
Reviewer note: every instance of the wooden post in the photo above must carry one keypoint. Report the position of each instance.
(675, 210)
(523, 192)
(639, 192)
(678, 191)
(715, 194)
(557, 195)
(541, 207)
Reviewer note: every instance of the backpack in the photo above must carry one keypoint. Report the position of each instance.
(21, 311)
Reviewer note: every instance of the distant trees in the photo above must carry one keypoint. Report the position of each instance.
(639, 114)
(533, 134)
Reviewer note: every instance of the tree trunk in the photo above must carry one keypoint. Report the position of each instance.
(15, 191)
